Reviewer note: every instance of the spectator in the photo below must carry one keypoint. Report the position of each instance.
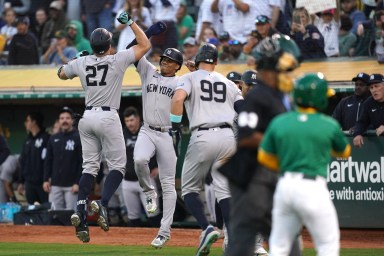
(21, 7)
(57, 21)
(210, 32)
(306, 35)
(329, 24)
(61, 50)
(356, 16)
(32, 160)
(369, 6)
(263, 29)
(164, 10)
(229, 49)
(206, 18)
(365, 39)
(62, 166)
(133, 194)
(348, 109)
(37, 28)
(75, 32)
(23, 49)
(347, 39)
(98, 14)
(379, 36)
(373, 111)
(9, 29)
(140, 14)
(185, 23)
(190, 49)
(238, 17)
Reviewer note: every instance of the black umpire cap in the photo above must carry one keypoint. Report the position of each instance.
(361, 76)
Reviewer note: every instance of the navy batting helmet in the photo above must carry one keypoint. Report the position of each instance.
(207, 53)
(100, 40)
(173, 54)
(249, 77)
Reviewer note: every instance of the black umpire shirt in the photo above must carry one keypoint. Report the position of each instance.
(372, 114)
(63, 164)
(260, 106)
(32, 158)
(130, 141)
(348, 111)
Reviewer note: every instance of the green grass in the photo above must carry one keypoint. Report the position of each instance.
(90, 249)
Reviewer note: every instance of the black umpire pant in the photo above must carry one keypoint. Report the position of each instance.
(251, 213)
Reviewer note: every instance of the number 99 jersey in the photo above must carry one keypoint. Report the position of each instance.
(101, 77)
(211, 98)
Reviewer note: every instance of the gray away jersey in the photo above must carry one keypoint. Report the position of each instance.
(101, 78)
(211, 98)
(157, 92)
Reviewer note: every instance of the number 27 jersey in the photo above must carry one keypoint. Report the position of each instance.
(101, 78)
(211, 98)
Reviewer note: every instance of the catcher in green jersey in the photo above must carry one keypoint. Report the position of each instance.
(299, 145)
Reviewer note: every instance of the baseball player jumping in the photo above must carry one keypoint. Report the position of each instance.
(101, 76)
(158, 88)
(301, 154)
(210, 101)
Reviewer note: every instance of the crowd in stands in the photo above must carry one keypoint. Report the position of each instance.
(52, 32)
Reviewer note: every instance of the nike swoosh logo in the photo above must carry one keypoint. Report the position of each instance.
(199, 135)
(373, 110)
(349, 105)
(56, 140)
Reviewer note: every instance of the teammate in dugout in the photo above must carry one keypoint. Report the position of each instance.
(101, 76)
(158, 88)
(252, 187)
(210, 101)
(62, 166)
(301, 154)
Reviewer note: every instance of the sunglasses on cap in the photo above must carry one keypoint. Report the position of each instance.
(262, 19)
(233, 42)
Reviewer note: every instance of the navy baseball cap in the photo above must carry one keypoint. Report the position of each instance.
(67, 110)
(361, 76)
(234, 76)
(376, 79)
(224, 36)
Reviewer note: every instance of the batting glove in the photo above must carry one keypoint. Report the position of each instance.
(175, 134)
(125, 18)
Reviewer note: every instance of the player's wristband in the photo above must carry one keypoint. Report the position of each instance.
(175, 118)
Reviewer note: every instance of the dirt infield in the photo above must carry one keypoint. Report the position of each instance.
(143, 236)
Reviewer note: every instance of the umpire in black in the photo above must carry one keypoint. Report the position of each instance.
(349, 108)
(63, 164)
(252, 187)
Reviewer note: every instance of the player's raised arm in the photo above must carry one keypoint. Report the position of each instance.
(143, 44)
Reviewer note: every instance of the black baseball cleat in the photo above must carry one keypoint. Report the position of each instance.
(80, 224)
(102, 221)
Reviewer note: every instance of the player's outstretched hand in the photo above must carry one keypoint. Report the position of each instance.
(175, 134)
(125, 18)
